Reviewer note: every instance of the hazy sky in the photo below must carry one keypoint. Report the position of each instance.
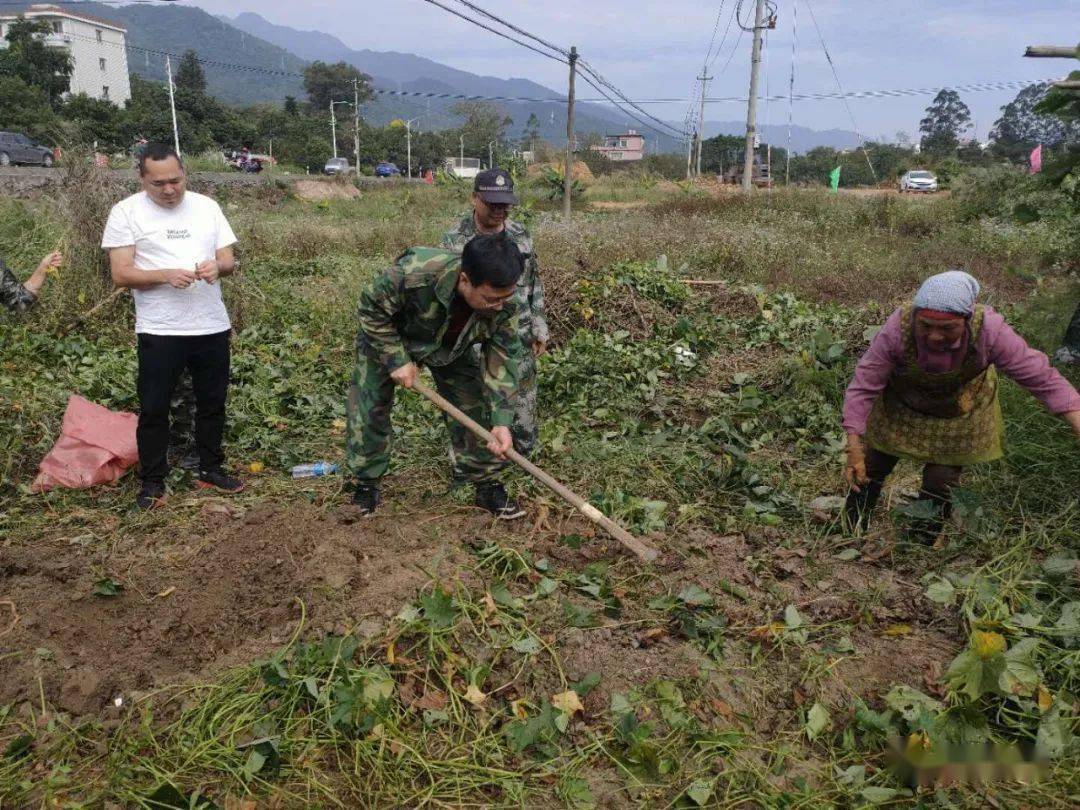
(655, 49)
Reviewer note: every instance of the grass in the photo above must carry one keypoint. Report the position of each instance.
(692, 412)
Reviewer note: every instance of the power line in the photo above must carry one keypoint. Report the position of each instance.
(715, 28)
(836, 76)
(589, 69)
(513, 27)
(496, 32)
(723, 39)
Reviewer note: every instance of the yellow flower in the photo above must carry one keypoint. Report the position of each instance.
(987, 644)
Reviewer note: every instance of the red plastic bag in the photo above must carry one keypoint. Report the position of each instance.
(96, 446)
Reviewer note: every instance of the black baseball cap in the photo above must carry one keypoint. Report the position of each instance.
(495, 186)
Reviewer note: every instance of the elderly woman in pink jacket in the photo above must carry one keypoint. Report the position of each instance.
(926, 389)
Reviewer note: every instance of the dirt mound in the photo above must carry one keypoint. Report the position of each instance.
(317, 190)
(579, 171)
(219, 596)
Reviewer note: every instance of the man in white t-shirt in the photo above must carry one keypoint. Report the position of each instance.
(170, 246)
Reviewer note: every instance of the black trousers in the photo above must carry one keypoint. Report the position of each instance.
(162, 358)
(938, 481)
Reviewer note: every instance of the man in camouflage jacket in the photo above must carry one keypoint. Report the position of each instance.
(493, 194)
(19, 297)
(439, 309)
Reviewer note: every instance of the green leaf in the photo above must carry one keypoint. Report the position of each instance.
(975, 676)
(1059, 565)
(438, 608)
(1068, 624)
(586, 684)
(106, 588)
(528, 644)
(817, 720)
(572, 540)
(700, 791)
(575, 792)
(254, 763)
(911, 703)
(941, 591)
(1021, 674)
(546, 586)
(167, 797)
(852, 776)
(19, 747)
(880, 795)
(847, 554)
(869, 720)
(502, 596)
(792, 618)
(694, 596)
(1025, 621)
(579, 616)
(1054, 734)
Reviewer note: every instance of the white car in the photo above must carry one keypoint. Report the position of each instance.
(918, 180)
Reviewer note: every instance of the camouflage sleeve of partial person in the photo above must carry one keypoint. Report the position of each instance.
(379, 302)
(503, 354)
(536, 301)
(14, 296)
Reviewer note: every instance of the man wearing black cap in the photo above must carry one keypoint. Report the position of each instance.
(493, 194)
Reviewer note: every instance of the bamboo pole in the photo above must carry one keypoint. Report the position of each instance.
(643, 551)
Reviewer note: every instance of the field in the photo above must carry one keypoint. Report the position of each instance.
(271, 650)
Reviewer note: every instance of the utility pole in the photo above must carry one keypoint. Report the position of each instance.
(408, 147)
(704, 78)
(333, 127)
(172, 105)
(356, 125)
(568, 168)
(751, 101)
(491, 155)
(689, 153)
(461, 145)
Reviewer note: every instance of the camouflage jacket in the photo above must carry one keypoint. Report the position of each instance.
(404, 315)
(14, 296)
(530, 289)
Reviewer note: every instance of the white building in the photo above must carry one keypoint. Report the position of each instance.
(98, 48)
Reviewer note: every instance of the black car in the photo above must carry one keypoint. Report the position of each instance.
(17, 148)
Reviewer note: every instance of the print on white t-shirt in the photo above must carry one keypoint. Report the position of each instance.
(168, 239)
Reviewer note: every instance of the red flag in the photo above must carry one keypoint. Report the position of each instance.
(1036, 159)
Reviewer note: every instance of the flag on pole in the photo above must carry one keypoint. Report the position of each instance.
(1036, 159)
(834, 179)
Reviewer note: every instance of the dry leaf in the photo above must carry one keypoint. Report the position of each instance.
(432, 700)
(1045, 698)
(166, 592)
(651, 636)
(390, 657)
(897, 630)
(489, 604)
(518, 708)
(723, 708)
(768, 632)
(474, 695)
(567, 702)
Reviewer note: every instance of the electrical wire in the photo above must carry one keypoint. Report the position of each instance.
(496, 32)
(791, 87)
(513, 27)
(715, 28)
(586, 68)
(836, 76)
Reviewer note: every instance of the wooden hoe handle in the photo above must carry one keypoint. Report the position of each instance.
(643, 551)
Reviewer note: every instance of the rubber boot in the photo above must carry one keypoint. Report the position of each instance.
(859, 506)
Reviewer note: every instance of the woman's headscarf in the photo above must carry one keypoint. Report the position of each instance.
(953, 292)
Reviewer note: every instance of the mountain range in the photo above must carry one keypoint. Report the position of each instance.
(250, 60)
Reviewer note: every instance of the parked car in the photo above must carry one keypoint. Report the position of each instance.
(17, 148)
(338, 165)
(386, 169)
(918, 180)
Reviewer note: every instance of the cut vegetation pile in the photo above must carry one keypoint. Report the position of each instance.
(273, 648)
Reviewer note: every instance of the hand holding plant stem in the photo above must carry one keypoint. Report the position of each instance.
(48, 264)
(855, 469)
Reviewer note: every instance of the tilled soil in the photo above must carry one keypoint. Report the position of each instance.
(235, 587)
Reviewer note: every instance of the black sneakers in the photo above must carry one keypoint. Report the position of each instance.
(220, 480)
(366, 497)
(151, 495)
(491, 495)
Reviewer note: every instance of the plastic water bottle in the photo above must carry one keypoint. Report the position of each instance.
(315, 470)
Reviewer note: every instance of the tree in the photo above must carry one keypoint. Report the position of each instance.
(22, 107)
(1022, 127)
(531, 131)
(484, 122)
(947, 118)
(91, 120)
(291, 107)
(189, 75)
(325, 83)
(27, 57)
